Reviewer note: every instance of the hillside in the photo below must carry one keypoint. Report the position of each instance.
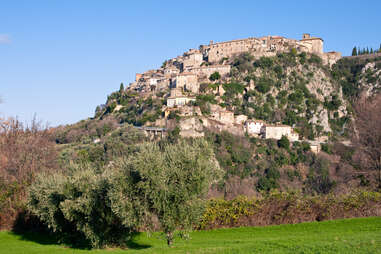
(279, 117)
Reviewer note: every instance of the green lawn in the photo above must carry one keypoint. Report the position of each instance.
(341, 236)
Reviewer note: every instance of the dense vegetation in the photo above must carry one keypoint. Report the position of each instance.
(104, 206)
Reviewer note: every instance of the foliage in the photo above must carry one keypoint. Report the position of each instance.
(76, 207)
(215, 76)
(264, 85)
(233, 88)
(170, 182)
(284, 142)
(287, 207)
(24, 152)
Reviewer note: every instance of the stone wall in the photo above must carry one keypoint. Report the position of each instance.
(277, 131)
(187, 81)
(263, 46)
(206, 71)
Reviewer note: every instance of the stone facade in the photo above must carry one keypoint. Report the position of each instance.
(187, 81)
(277, 131)
(191, 59)
(254, 127)
(178, 99)
(206, 71)
(263, 46)
(240, 119)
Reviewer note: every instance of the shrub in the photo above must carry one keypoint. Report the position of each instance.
(284, 142)
(264, 62)
(315, 59)
(77, 208)
(170, 182)
(263, 86)
(215, 76)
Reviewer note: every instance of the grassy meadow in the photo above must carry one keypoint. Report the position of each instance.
(361, 235)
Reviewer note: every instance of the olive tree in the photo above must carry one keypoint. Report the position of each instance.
(169, 181)
(76, 207)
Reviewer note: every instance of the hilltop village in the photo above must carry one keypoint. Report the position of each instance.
(181, 80)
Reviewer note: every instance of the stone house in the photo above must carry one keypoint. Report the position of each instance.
(187, 81)
(223, 116)
(277, 131)
(240, 119)
(170, 71)
(178, 99)
(206, 71)
(191, 59)
(254, 127)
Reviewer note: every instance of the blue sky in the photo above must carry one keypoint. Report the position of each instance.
(60, 59)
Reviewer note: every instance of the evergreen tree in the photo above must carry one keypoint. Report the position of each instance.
(121, 89)
(371, 50)
(354, 51)
(367, 50)
(358, 51)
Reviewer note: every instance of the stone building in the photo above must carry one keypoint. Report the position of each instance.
(254, 127)
(206, 71)
(187, 81)
(277, 131)
(191, 59)
(240, 119)
(170, 71)
(177, 98)
(263, 46)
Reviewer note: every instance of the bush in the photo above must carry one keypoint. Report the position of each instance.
(284, 142)
(77, 209)
(314, 59)
(170, 183)
(263, 86)
(264, 62)
(215, 76)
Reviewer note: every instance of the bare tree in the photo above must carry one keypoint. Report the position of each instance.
(367, 137)
(24, 151)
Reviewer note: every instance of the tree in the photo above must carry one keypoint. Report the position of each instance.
(76, 207)
(121, 89)
(354, 51)
(367, 137)
(170, 181)
(215, 76)
(284, 142)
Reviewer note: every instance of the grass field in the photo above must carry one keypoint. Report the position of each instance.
(341, 236)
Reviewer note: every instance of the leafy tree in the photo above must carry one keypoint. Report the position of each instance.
(170, 181)
(215, 76)
(284, 142)
(76, 207)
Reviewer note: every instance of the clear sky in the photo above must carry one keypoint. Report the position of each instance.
(60, 59)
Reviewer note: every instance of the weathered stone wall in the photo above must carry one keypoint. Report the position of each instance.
(206, 71)
(192, 58)
(277, 131)
(188, 81)
(263, 46)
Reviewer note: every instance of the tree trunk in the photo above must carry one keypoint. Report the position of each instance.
(169, 238)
